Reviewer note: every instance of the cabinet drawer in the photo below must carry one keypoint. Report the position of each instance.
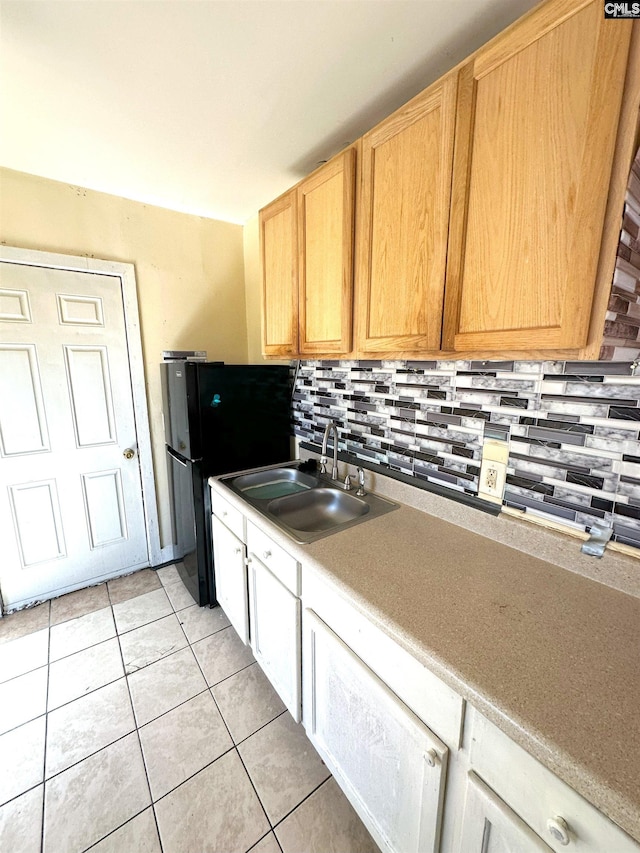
(276, 559)
(434, 702)
(538, 796)
(228, 515)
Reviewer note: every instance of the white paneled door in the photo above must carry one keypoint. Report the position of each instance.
(71, 501)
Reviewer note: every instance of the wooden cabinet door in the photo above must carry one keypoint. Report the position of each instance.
(275, 634)
(537, 120)
(231, 577)
(403, 225)
(279, 259)
(325, 239)
(489, 825)
(388, 763)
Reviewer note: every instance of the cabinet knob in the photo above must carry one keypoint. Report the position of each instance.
(559, 830)
(431, 757)
(238, 551)
(266, 555)
(224, 513)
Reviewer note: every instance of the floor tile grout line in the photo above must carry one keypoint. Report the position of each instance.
(46, 736)
(303, 800)
(111, 832)
(144, 763)
(262, 806)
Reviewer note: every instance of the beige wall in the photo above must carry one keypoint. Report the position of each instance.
(189, 271)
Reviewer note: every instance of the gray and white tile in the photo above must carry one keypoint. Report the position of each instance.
(222, 654)
(141, 610)
(24, 622)
(325, 821)
(197, 735)
(179, 595)
(165, 684)
(230, 816)
(24, 654)
(80, 633)
(139, 835)
(283, 765)
(147, 644)
(23, 698)
(130, 586)
(200, 622)
(21, 823)
(168, 575)
(22, 752)
(86, 725)
(78, 674)
(94, 797)
(247, 701)
(78, 603)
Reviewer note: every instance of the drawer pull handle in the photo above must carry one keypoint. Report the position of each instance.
(266, 555)
(431, 757)
(559, 830)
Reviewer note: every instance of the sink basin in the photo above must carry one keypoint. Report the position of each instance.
(274, 483)
(317, 509)
(305, 506)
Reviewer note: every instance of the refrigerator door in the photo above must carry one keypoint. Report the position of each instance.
(175, 408)
(244, 416)
(189, 496)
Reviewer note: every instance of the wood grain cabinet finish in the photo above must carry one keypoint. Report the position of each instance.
(325, 248)
(538, 113)
(403, 224)
(279, 260)
(307, 239)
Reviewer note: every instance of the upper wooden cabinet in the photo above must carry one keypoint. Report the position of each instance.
(279, 257)
(538, 113)
(307, 264)
(488, 207)
(403, 224)
(325, 244)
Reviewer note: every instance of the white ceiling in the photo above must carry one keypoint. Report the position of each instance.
(214, 107)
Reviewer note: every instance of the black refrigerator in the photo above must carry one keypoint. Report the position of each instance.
(218, 418)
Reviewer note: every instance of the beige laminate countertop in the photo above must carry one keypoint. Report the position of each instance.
(551, 657)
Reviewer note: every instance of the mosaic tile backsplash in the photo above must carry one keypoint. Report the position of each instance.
(572, 427)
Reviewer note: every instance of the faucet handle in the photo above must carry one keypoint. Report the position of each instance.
(361, 492)
(323, 464)
(347, 483)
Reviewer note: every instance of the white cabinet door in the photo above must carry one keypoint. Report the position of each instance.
(390, 766)
(491, 827)
(275, 633)
(231, 577)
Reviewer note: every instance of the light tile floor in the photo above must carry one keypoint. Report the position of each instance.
(133, 721)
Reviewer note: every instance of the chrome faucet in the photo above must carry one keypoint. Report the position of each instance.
(323, 459)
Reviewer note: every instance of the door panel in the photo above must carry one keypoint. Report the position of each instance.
(91, 396)
(24, 426)
(71, 505)
(37, 522)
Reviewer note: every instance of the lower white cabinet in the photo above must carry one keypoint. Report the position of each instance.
(390, 765)
(489, 825)
(230, 573)
(275, 633)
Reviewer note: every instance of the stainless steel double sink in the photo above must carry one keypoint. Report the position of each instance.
(307, 506)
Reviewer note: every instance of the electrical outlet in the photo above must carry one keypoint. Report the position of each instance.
(493, 470)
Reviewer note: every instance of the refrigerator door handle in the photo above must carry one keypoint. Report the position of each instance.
(179, 459)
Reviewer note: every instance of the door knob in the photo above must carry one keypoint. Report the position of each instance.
(129, 453)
